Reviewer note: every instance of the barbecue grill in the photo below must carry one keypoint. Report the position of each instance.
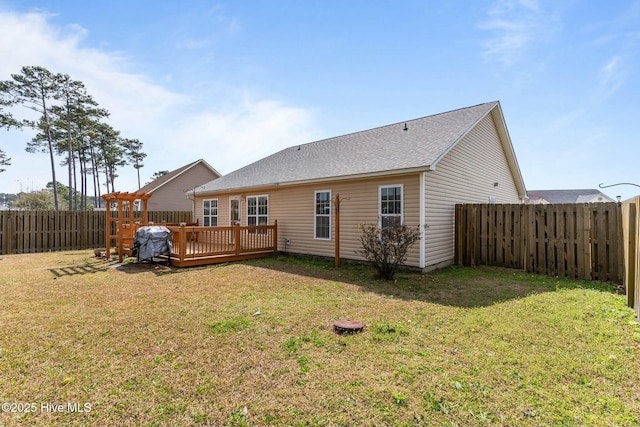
(152, 241)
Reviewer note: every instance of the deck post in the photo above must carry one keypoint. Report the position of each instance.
(275, 236)
(107, 251)
(182, 242)
(236, 238)
(145, 211)
(120, 226)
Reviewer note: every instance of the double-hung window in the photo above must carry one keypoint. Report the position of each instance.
(210, 213)
(323, 215)
(258, 210)
(390, 206)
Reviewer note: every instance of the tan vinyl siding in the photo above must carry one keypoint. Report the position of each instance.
(293, 208)
(467, 174)
(171, 196)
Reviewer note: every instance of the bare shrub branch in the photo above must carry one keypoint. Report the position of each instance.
(387, 248)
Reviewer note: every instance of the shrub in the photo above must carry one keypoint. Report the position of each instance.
(387, 248)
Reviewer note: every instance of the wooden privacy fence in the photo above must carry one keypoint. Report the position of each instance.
(631, 233)
(580, 241)
(43, 231)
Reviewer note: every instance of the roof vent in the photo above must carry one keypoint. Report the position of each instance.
(405, 127)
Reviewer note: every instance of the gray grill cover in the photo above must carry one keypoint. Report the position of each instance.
(152, 240)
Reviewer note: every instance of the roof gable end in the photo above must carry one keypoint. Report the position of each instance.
(168, 177)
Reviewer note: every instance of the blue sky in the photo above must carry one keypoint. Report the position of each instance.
(231, 82)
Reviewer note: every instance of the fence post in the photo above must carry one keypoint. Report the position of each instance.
(629, 232)
(8, 234)
(634, 254)
(459, 248)
(619, 244)
(588, 267)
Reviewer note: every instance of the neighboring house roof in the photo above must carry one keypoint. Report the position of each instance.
(567, 196)
(414, 145)
(168, 177)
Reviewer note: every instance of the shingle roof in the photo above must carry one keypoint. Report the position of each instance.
(167, 177)
(418, 143)
(567, 196)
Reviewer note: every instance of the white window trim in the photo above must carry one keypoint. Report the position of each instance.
(246, 210)
(217, 215)
(315, 215)
(380, 202)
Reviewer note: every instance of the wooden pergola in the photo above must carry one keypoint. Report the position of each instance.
(124, 224)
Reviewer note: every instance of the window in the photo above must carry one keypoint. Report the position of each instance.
(390, 206)
(258, 210)
(323, 215)
(210, 213)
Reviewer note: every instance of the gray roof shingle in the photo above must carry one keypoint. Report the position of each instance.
(377, 150)
(566, 196)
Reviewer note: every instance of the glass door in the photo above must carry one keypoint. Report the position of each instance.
(234, 208)
(234, 215)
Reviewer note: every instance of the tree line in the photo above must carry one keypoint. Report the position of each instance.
(70, 124)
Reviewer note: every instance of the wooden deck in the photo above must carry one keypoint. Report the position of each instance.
(195, 245)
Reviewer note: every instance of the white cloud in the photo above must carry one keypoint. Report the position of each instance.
(516, 26)
(611, 76)
(253, 129)
(175, 128)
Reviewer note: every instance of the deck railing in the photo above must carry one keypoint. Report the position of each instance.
(193, 245)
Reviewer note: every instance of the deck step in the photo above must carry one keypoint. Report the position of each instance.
(192, 262)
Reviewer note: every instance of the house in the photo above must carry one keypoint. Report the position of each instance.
(168, 191)
(545, 197)
(415, 170)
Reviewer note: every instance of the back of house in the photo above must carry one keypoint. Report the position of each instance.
(415, 171)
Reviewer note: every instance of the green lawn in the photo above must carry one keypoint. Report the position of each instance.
(251, 344)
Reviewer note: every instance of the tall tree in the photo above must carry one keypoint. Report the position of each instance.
(6, 121)
(68, 123)
(157, 175)
(109, 153)
(89, 148)
(6, 100)
(41, 200)
(37, 88)
(135, 155)
(72, 116)
(4, 160)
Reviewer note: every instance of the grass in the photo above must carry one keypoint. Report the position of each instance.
(250, 343)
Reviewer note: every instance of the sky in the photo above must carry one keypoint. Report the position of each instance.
(232, 82)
